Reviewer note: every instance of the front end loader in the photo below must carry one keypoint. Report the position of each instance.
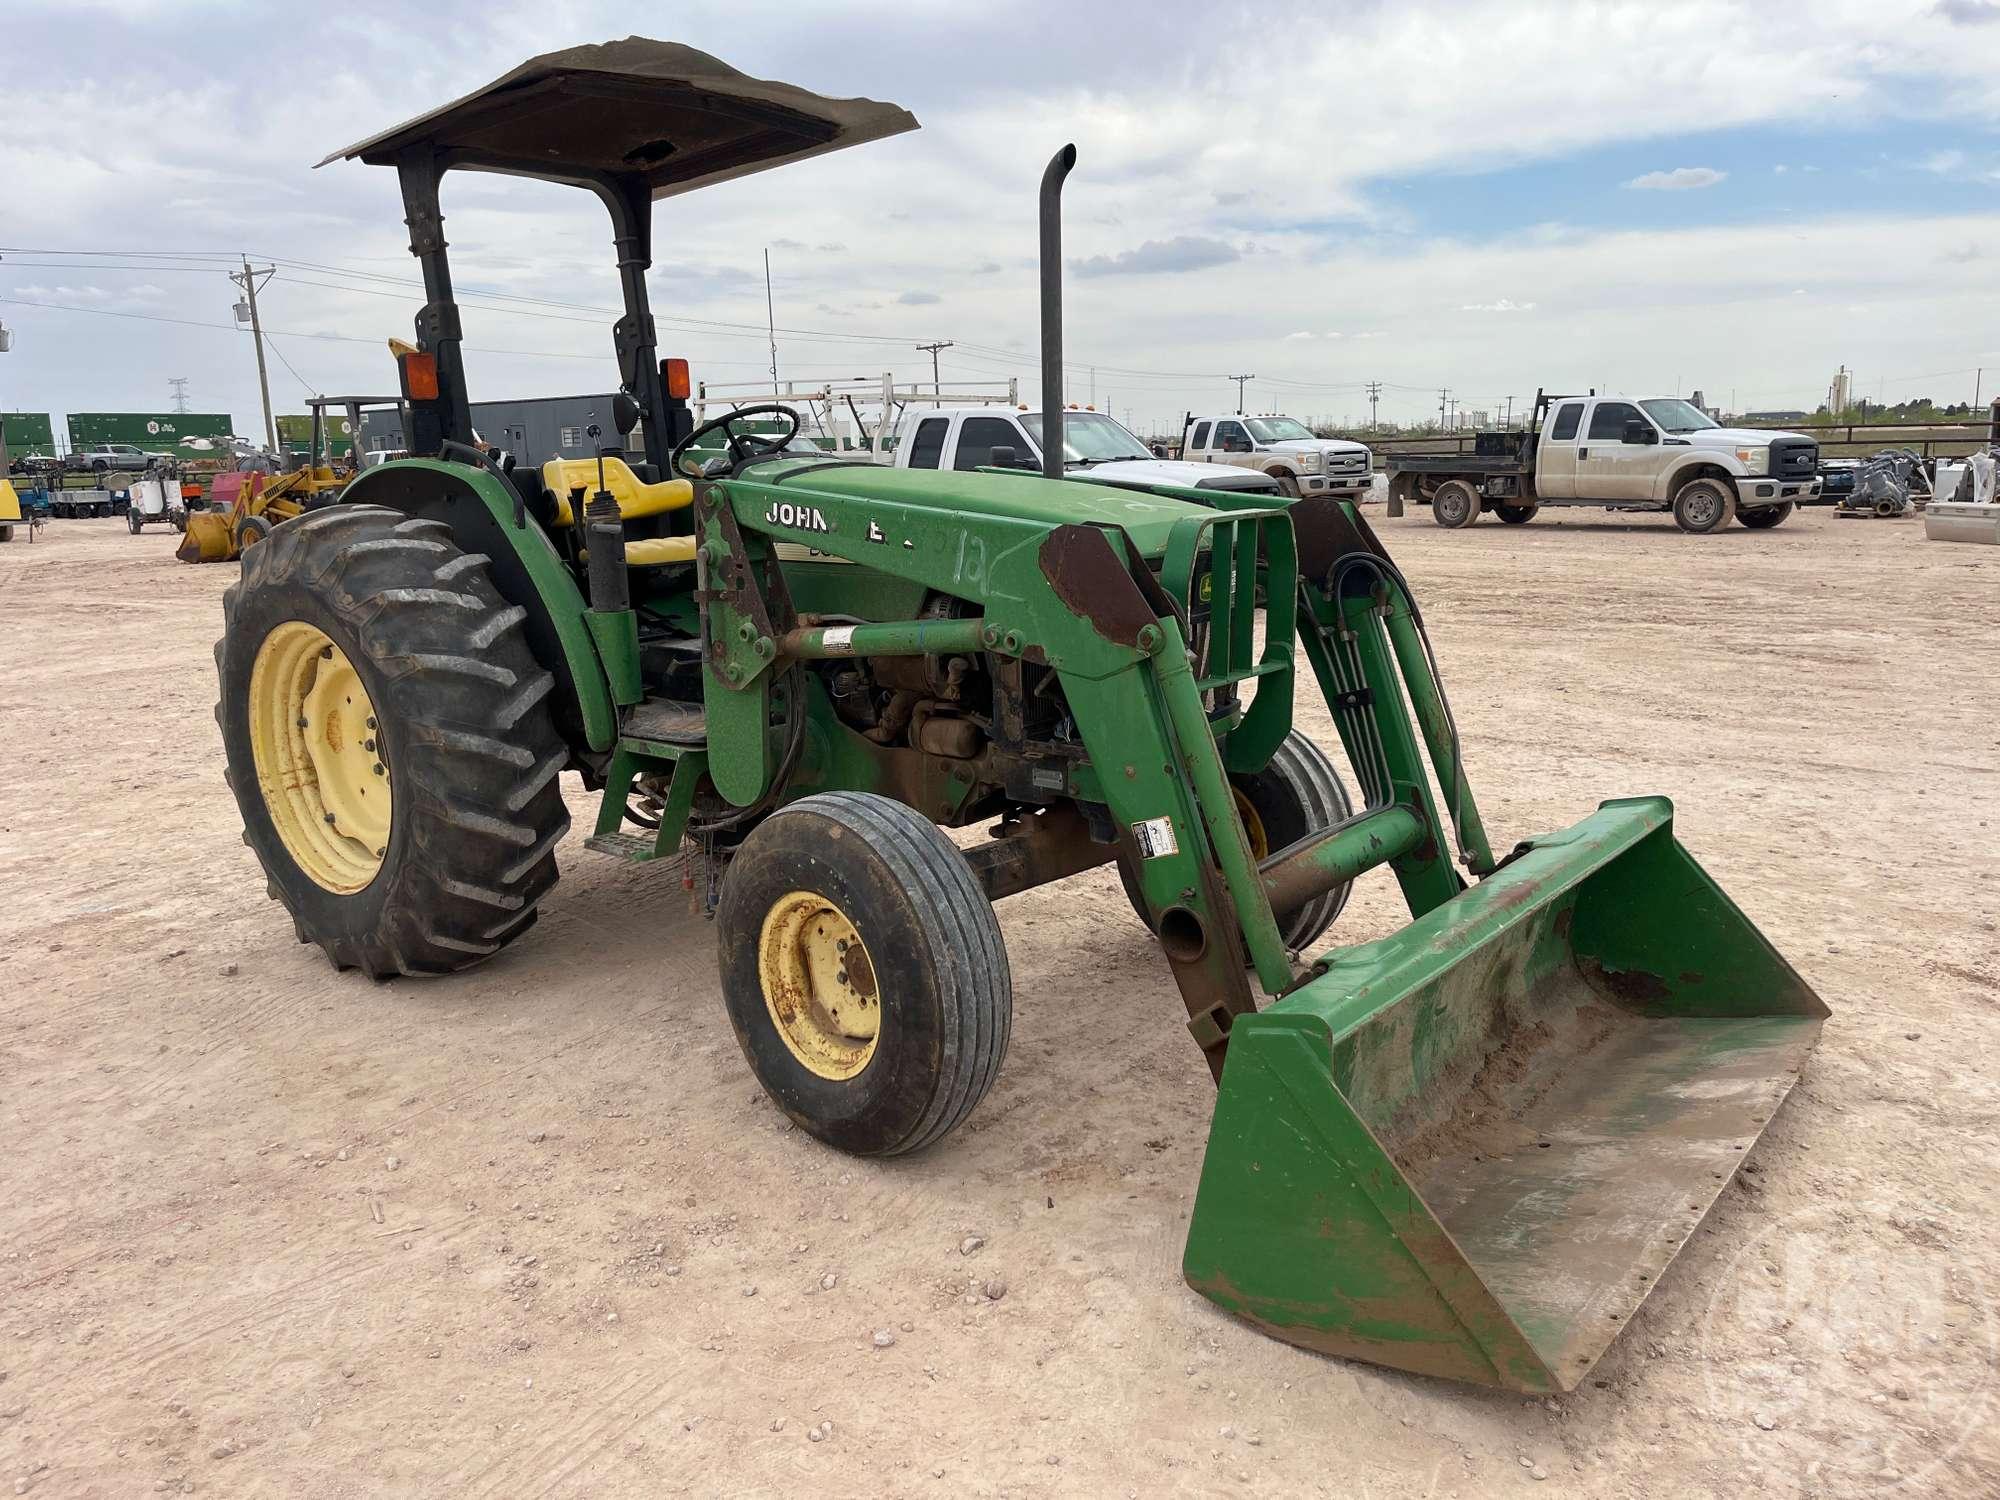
(1468, 1149)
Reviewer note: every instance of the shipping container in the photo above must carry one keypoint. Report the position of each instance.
(30, 434)
(156, 432)
(295, 433)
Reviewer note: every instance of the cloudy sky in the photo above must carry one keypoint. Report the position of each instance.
(1483, 197)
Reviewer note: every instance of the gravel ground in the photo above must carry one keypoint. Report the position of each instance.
(533, 1230)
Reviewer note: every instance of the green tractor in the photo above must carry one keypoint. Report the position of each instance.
(1467, 1149)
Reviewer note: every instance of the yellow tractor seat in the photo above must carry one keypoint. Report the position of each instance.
(574, 480)
(657, 551)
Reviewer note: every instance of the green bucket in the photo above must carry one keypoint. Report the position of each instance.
(1470, 1149)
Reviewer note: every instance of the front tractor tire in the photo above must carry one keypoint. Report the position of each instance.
(389, 741)
(1455, 504)
(1297, 793)
(863, 972)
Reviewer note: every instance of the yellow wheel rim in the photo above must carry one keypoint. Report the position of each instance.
(819, 985)
(1253, 826)
(319, 761)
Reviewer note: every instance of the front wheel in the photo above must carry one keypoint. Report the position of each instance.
(1454, 504)
(1297, 793)
(1517, 515)
(1701, 505)
(250, 531)
(1766, 516)
(134, 522)
(389, 742)
(863, 972)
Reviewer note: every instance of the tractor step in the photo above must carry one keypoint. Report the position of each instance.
(667, 721)
(634, 848)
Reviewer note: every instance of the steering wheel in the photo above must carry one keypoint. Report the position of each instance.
(743, 447)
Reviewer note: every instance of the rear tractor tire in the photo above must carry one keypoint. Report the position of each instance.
(1701, 505)
(1298, 793)
(1517, 515)
(389, 742)
(1764, 517)
(863, 972)
(1454, 504)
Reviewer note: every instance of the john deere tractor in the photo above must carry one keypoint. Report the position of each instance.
(1467, 1149)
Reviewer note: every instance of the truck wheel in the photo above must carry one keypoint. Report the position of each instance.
(6, 533)
(1454, 504)
(1517, 515)
(1764, 517)
(863, 972)
(1701, 505)
(1288, 486)
(389, 742)
(1298, 793)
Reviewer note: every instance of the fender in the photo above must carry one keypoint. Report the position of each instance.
(1722, 462)
(526, 570)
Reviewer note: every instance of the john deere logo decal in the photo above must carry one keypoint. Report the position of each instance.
(1207, 587)
(799, 517)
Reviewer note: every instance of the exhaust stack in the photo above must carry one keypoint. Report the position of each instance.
(1052, 326)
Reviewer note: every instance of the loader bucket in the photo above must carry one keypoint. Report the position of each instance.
(1471, 1148)
(207, 539)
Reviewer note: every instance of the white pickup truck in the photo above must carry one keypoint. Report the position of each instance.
(1659, 453)
(1284, 448)
(1095, 447)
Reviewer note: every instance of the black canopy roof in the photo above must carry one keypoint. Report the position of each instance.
(674, 117)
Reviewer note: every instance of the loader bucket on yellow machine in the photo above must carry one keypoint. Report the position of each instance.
(208, 537)
(1471, 1148)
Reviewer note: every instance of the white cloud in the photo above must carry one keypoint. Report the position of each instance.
(1943, 162)
(1503, 305)
(1679, 180)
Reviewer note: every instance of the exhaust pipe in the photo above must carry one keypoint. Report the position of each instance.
(1052, 345)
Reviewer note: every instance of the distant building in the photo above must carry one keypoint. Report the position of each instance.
(1774, 416)
(1840, 394)
(533, 430)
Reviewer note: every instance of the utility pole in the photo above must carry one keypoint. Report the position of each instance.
(1241, 381)
(1508, 420)
(1374, 395)
(1444, 400)
(937, 384)
(246, 312)
(180, 385)
(6, 464)
(770, 320)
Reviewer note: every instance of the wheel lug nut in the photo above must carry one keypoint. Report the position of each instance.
(302, 721)
(365, 744)
(371, 721)
(378, 768)
(329, 819)
(326, 653)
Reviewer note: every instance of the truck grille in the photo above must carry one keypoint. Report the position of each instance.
(1794, 458)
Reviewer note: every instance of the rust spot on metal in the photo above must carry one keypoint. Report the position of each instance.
(860, 973)
(1093, 584)
(1326, 534)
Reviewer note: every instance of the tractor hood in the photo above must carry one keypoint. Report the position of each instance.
(1147, 519)
(676, 118)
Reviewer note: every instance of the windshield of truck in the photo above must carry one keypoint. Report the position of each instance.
(1677, 416)
(1090, 437)
(1278, 430)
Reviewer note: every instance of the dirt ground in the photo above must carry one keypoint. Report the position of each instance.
(534, 1231)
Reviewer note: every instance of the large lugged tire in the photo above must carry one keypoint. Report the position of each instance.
(1454, 504)
(1298, 793)
(1701, 505)
(389, 742)
(889, 1055)
(1764, 517)
(1517, 515)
